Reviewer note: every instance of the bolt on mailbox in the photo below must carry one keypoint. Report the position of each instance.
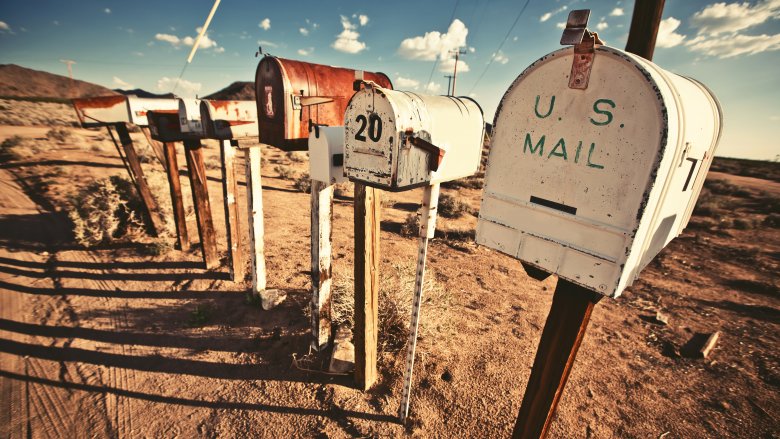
(326, 154)
(589, 177)
(398, 140)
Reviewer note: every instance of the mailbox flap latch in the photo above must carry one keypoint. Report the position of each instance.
(435, 154)
(584, 42)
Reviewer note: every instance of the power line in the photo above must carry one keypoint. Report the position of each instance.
(436, 60)
(493, 57)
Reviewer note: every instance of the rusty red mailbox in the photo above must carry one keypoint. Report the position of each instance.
(291, 95)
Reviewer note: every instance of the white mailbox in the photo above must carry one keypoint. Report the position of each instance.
(326, 154)
(226, 120)
(398, 140)
(590, 177)
(137, 108)
(189, 117)
(100, 111)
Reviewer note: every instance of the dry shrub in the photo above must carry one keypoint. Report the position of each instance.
(297, 156)
(285, 172)
(105, 210)
(342, 190)
(396, 291)
(61, 135)
(303, 183)
(722, 187)
(452, 207)
(9, 149)
(475, 181)
(772, 220)
(411, 225)
(213, 162)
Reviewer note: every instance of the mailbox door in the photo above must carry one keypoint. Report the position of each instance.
(189, 117)
(326, 151)
(371, 139)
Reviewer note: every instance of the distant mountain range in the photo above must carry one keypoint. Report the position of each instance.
(237, 91)
(21, 82)
(141, 93)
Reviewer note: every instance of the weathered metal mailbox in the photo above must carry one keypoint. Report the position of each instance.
(228, 120)
(596, 162)
(101, 110)
(291, 95)
(137, 108)
(326, 154)
(398, 140)
(189, 117)
(165, 126)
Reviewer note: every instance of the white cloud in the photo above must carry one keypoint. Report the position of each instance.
(735, 45)
(265, 24)
(447, 65)
(602, 25)
(433, 87)
(500, 58)
(175, 41)
(185, 88)
(56, 22)
(720, 18)
(107, 10)
(4, 27)
(561, 25)
(305, 52)
(363, 19)
(406, 83)
(119, 83)
(347, 41)
(267, 43)
(547, 15)
(138, 53)
(304, 31)
(168, 38)
(667, 35)
(617, 12)
(434, 44)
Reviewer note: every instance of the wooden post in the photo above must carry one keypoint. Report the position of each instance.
(177, 201)
(229, 191)
(561, 338)
(254, 190)
(200, 198)
(157, 147)
(367, 209)
(150, 205)
(321, 230)
(644, 27)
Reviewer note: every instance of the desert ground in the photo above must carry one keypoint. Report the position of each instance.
(128, 337)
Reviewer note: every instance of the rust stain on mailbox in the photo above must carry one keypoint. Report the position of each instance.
(282, 87)
(101, 110)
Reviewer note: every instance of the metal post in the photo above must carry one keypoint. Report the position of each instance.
(427, 229)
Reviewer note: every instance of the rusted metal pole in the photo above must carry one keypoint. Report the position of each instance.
(177, 200)
(229, 191)
(200, 198)
(367, 211)
(561, 338)
(644, 27)
(147, 199)
(321, 272)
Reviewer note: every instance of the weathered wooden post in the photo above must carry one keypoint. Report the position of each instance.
(593, 222)
(177, 200)
(150, 205)
(254, 190)
(397, 141)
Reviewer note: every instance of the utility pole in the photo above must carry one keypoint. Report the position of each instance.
(458, 52)
(644, 27)
(70, 66)
(449, 83)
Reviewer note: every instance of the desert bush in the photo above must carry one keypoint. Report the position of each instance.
(722, 187)
(105, 210)
(772, 220)
(341, 190)
(285, 172)
(303, 183)
(768, 204)
(213, 162)
(475, 181)
(297, 156)
(59, 134)
(452, 207)
(411, 225)
(9, 148)
(744, 224)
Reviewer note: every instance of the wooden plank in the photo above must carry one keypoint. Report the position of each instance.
(644, 27)
(157, 147)
(321, 231)
(229, 191)
(709, 344)
(200, 198)
(177, 200)
(254, 189)
(147, 199)
(367, 218)
(561, 338)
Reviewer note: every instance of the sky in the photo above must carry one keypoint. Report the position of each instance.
(732, 47)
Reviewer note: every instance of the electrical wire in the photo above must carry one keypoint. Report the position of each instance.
(436, 61)
(493, 57)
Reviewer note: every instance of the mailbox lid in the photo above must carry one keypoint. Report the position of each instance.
(224, 119)
(189, 117)
(101, 110)
(138, 107)
(279, 85)
(326, 154)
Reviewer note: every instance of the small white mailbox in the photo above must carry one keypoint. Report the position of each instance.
(137, 108)
(326, 154)
(189, 117)
(590, 177)
(226, 120)
(398, 140)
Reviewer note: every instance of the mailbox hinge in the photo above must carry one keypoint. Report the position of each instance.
(584, 42)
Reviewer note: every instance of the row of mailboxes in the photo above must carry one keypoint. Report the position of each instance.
(103, 110)
(198, 119)
(591, 183)
(291, 95)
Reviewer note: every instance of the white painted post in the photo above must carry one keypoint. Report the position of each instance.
(321, 272)
(255, 209)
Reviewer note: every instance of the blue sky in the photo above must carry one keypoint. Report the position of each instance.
(734, 48)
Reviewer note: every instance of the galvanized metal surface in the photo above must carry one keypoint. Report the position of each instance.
(229, 120)
(380, 125)
(101, 111)
(592, 184)
(137, 108)
(326, 154)
(288, 97)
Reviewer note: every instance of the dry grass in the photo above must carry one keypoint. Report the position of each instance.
(411, 225)
(452, 207)
(105, 210)
(285, 172)
(60, 135)
(343, 190)
(303, 183)
(297, 156)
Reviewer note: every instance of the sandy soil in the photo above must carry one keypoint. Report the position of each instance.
(101, 342)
